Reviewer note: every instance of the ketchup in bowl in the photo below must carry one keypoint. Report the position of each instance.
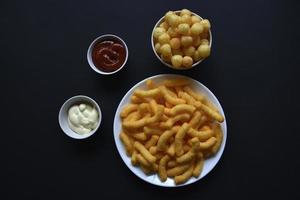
(109, 55)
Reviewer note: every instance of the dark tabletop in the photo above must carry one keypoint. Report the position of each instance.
(253, 70)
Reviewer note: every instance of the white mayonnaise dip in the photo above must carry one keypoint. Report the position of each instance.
(82, 118)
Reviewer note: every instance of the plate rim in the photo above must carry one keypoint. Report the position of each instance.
(173, 76)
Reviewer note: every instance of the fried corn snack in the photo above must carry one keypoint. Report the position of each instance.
(170, 129)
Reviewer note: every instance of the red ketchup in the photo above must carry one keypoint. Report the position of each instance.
(109, 55)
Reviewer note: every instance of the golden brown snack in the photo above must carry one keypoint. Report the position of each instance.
(128, 109)
(198, 167)
(142, 161)
(169, 98)
(152, 131)
(127, 143)
(148, 156)
(179, 139)
(172, 164)
(162, 172)
(195, 95)
(208, 143)
(136, 100)
(132, 116)
(182, 108)
(187, 157)
(170, 132)
(164, 138)
(152, 141)
(185, 176)
(175, 82)
(195, 119)
(153, 150)
(134, 158)
(149, 93)
(139, 136)
(202, 135)
(150, 84)
(213, 114)
(135, 124)
(171, 121)
(159, 155)
(219, 137)
(158, 111)
(186, 148)
(171, 150)
(144, 108)
(178, 170)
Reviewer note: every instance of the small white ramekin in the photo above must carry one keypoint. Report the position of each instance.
(63, 116)
(100, 39)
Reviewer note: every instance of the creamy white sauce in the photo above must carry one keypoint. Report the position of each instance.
(82, 118)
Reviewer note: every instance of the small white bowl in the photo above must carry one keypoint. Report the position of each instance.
(63, 116)
(168, 64)
(100, 39)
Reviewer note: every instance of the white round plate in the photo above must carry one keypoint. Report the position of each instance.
(209, 163)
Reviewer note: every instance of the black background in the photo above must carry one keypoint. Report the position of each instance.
(253, 70)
